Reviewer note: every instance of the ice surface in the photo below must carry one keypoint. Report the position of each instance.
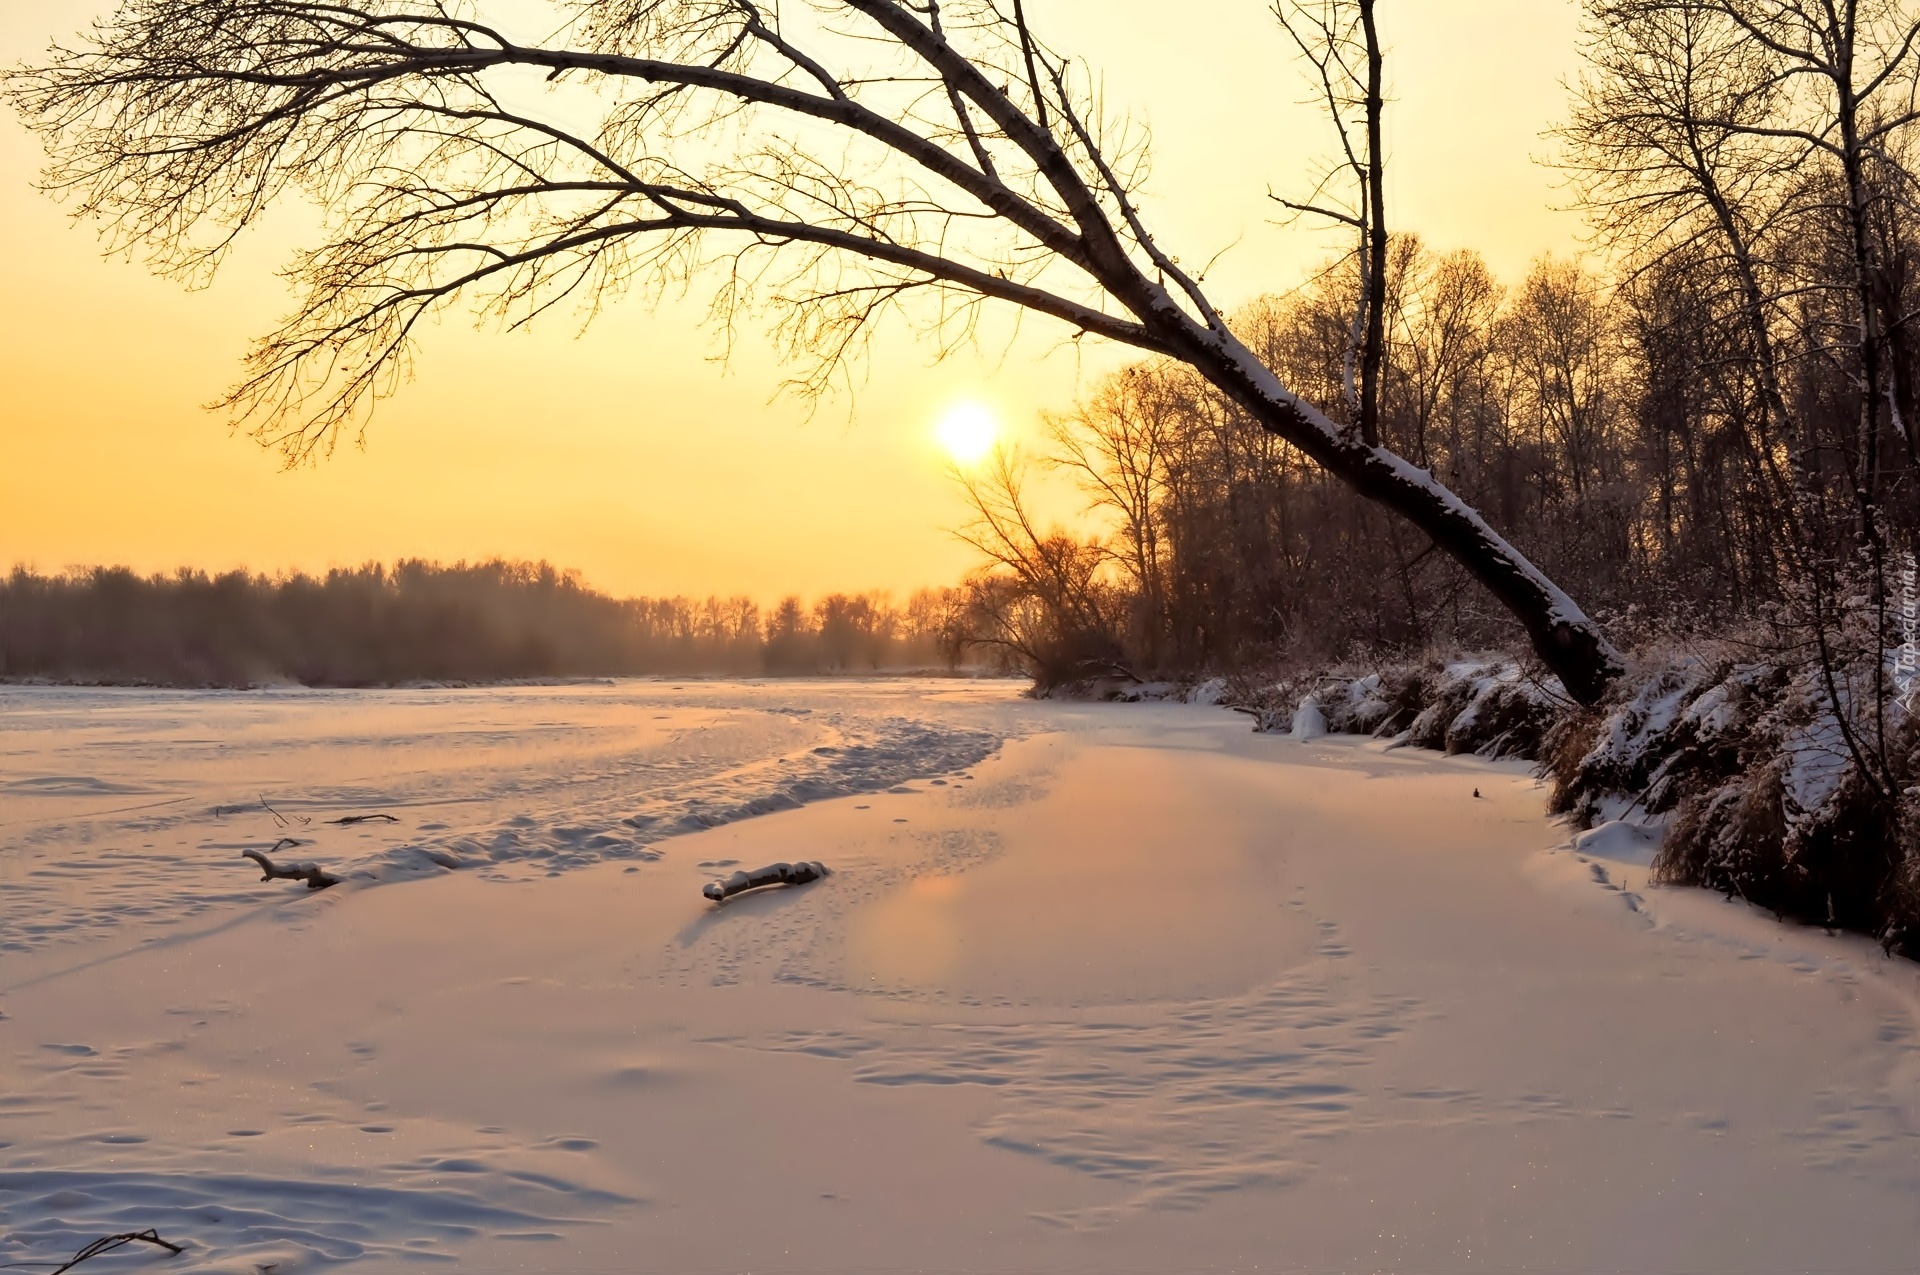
(1143, 990)
(124, 810)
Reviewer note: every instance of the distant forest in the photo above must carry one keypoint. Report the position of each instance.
(424, 621)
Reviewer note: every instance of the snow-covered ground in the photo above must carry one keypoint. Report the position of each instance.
(1093, 988)
(122, 809)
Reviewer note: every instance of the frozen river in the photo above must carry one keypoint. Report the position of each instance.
(1092, 988)
(125, 809)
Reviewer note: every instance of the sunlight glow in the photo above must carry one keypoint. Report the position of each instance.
(967, 432)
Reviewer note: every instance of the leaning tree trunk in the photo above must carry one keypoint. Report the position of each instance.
(1565, 639)
(185, 113)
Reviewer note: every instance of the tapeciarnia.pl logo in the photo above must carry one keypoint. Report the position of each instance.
(1906, 659)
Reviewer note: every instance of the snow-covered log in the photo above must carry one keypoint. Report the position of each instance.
(316, 877)
(773, 874)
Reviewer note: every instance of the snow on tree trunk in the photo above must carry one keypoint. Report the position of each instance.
(1565, 639)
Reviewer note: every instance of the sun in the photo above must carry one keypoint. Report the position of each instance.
(967, 431)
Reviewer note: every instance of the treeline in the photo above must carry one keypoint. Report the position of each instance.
(1716, 431)
(1610, 427)
(424, 621)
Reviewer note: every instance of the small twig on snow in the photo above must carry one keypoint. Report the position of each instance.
(773, 874)
(279, 818)
(347, 821)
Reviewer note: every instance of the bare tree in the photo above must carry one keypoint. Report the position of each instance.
(1558, 339)
(831, 162)
(1756, 131)
(1443, 324)
(1043, 596)
(1340, 40)
(1118, 447)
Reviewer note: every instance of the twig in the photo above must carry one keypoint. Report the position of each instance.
(773, 874)
(279, 818)
(105, 1244)
(347, 821)
(315, 876)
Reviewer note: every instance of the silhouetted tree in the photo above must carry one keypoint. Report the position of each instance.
(831, 167)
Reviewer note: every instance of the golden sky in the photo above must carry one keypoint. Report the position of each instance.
(627, 452)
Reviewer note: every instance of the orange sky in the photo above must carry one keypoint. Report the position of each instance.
(625, 452)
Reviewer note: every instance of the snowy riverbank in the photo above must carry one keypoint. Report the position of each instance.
(1136, 989)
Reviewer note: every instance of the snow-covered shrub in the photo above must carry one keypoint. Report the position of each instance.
(1749, 767)
(1617, 752)
(1491, 706)
(1212, 691)
(1771, 804)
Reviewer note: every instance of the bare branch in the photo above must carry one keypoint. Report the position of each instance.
(865, 158)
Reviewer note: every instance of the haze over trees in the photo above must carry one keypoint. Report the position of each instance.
(423, 621)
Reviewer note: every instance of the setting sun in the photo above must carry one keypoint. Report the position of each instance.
(967, 432)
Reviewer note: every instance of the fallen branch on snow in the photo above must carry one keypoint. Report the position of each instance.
(773, 874)
(347, 821)
(316, 877)
(106, 1244)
